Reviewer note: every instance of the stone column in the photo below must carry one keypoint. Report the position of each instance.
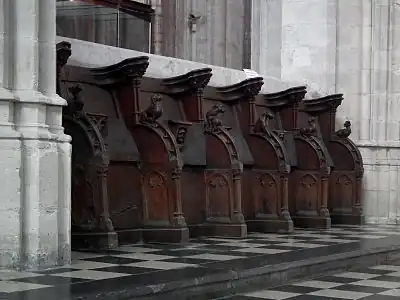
(35, 218)
(266, 37)
(309, 42)
(60, 143)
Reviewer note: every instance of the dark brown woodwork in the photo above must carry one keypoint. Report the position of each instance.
(310, 161)
(344, 200)
(160, 158)
(211, 178)
(265, 180)
(92, 226)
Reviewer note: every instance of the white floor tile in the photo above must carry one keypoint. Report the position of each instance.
(11, 287)
(387, 268)
(243, 245)
(318, 284)
(356, 275)
(378, 284)
(272, 295)
(301, 245)
(89, 265)
(10, 275)
(84, 255)
(144, 256)
(217, 257)
(393, 293)
(338, 294)
(90, 275)
(261, 250)
(137, 249)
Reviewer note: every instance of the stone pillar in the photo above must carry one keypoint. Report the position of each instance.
(266, 37)
(35, 216)
(309, 42)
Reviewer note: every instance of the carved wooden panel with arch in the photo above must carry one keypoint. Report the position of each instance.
(155, 197)
(266, 194)
(342, 191)
(307, 193)
(218, 195)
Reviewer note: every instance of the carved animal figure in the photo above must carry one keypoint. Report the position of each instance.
(154, 111)
(262, 123)
(74, 100)
(310, 130)
(344, 132)
(213, 117)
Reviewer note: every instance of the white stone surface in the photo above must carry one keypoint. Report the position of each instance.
(350, 47)
(35, 164)
(92, 55)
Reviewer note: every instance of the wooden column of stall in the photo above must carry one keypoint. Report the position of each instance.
(265, 178)
(211, 180)
(91, 222)
(344, 201)
(309, 179)
(161, 160)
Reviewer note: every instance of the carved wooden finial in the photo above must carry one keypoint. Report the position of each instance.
(261, 125)
(153, 112)
(311, 129)
(214, 123)
(346, 131)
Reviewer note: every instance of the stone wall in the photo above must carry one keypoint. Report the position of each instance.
(350, 47)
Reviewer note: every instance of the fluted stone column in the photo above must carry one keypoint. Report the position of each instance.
(35, 215)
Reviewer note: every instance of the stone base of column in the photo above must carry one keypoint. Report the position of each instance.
(347, 219)
(95, 241)
(166, 235)
(219, 230)
(272, 225)
(312, 222)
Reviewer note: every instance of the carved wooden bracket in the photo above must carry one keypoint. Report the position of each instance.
(283, 99)
(188, 88)
(129, 69)
(189, 82)
(244, 90)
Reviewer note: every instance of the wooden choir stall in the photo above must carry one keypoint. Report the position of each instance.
(166, 159)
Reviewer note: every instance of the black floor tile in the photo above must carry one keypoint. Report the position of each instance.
(380, 297)
(361, 289)
(239, 297)
(187, 260)
(295, 289)
(387, 278)
(50, 280)
(337, 279)
(127, 270)
(114, 260)
(56, 271)
(310, 297)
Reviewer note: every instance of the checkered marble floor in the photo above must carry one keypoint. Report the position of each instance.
(376, 283)
(155, 263)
